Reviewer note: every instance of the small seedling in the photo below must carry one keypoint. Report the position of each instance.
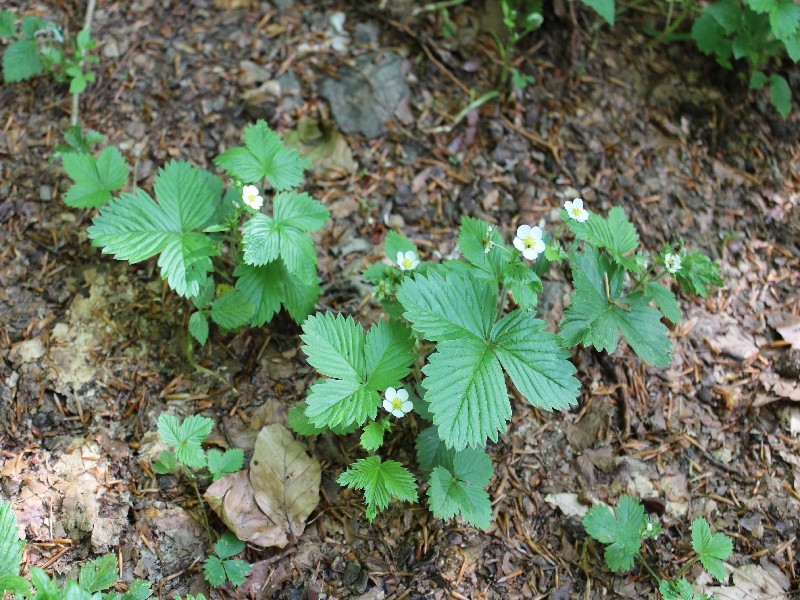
(222, 567)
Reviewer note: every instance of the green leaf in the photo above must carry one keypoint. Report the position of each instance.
(214, 571)
(198, 327)
(389, 352)
(523, 283)
(594, 320)
(30, 25)
(186, 438)
(678, 590)
(710, 39)
(698, 273)
(394, 243)
(462, 490)
(263, 289)
(166, 464)
(466, 391)
(264, 239)
(138, 590)
(10, 544)
(758, 80)
(299, 210)
(432, 451)
(616, 233)
(95, 179)
(21, 61)
(232, 309)
(263, 155)
(15, 584)
(712, 548)
(300, 423)
(793, 48)
(473, 237)
(300, 295)
(665, 300)
(99, 574)
(780, 94)
(237, 571)
(728, 13)
(335, 402)
(220, 464)
(372, 438)
(228, 545)
(336, 346)
(381, 481)
(449, 308)
(7, 19)
(377, 272)
(604, 8)
(134, 227)
(785, 20)
(762, 6)
(622, 531)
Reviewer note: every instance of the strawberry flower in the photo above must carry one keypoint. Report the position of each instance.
(672, 262)
(396, 402)
(529, 241)
(251, 197)
(576, 211)
(407, 261)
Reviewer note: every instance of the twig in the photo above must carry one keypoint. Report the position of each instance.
(87, 26)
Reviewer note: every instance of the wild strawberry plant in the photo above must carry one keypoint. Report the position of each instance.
(471, 324)
(624, 531)
(191, 222)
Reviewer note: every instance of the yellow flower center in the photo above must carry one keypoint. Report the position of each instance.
(397, 403)
(576, 212)
(407, 262)
(529, 242)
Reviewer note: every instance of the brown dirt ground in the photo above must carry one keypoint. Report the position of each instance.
(93, 350)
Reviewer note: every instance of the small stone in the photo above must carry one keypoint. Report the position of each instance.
(45, 193)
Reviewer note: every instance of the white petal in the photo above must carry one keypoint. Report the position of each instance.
(387, 406)
(399, 258)
(583, 217)
(539, 246)
(402, 394)
(398, 413)
(568, 206)
(410, 256)
(518, 244)
(577, 203)
(523, 231)
(536, 232)
(530, 253)
(249, 190)
(390, 393)
(407, 407)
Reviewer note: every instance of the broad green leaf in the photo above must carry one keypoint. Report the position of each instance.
(728, 13)
(616, 233)
(167, 463)
(339, 403)
(432, 451)
(665, 300)
(762, 6)
(335, 346)
(10, 544)
(523, 283)
(15, 584)
(449, 308)
(198, 327)
(461, 491)
(30, 25)
(300, 423)
(780, 94)
(698, 273)
(138, 590)
(94, 179)
(299, 210)
(186, 438)
(472, 241)
(604, 8)
(712, 548)
(381, 481)
(785, 20)
(264, 239)
(21, 61)
(264, 289)
(237, 571)
(232, 309)
(394, 243)
(228, 545)
(793, 47)
(378, 272)
(7, 19)
(214, 571)
(389, 352)
(220, 464)
(538, 366)
(710, 39)
(758, 80)
(134, 227)
(372, 437)
(622, 531)
(679, 590)
(595, 320)
(466, 392)
(263, 155)
(99, 574)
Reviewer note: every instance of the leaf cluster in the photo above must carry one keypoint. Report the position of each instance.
(221, 567)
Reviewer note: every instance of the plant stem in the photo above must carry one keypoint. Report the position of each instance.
(203, 514)
(686, 567)
(501, 302)
(87, 26)
(649, 569)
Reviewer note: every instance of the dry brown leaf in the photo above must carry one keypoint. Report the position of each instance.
(285, 479)
(752, 582)
(788, 326)
(231, 497)
(782, 388)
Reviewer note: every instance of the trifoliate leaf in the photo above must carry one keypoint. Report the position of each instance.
(394, 243)
(232, 309)
(228, 545)
(299, 210)
(678, 590)
(220, 464)
(337, 402)
(622, 531)
(335, 346)
(432, 451)
(378, 272)
(615, 233)
(21, 61)
(473, 239)
(536, 363)
(665, 300)
(214, 571)
(462, 490)
(523, 283)
(198, 327)
(138, 590)
(389, 352)
(94, 179)
(134, 227)
(698, 273)
(167, 463)
(381, 481)
(712, 548)
(372, 437)
(10, 544)
(237, 571)
(99, 574)
(596, 313)
(263, 155)
(186, 438)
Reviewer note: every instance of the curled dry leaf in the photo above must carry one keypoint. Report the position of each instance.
(269, 504)
(753, 582)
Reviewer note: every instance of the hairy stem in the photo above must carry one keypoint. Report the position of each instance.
(649, 569)
(87, 26)
(201, 504)
(687, 566)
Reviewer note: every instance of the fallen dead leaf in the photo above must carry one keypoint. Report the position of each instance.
(752, 582)
(782, 388)
(568, 503)
(788, 326)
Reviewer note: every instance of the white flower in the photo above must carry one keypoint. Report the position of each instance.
(649, 527)
(251, 197)
(488, 243)
(576, 211)
(672, 262)
(407, 261)
(397, 402)
(529, 241)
